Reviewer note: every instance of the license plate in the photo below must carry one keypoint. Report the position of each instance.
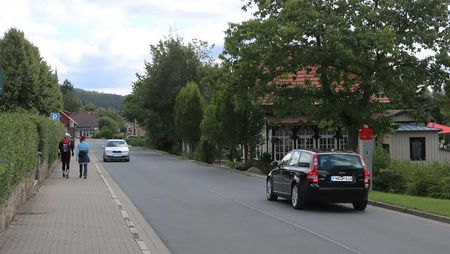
(117, 155)
(342, 178)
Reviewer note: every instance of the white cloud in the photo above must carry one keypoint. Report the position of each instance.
(86, 39)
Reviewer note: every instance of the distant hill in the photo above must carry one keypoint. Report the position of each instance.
(100, 100)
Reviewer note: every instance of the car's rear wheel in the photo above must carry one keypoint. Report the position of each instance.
(269, 190)
(296, 200)
(360, 205)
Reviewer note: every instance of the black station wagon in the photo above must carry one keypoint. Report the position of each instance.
(331, 177)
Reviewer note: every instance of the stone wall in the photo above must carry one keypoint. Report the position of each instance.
(22, 192)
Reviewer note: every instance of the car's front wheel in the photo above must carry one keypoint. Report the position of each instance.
(269, 190)
(296, 200)
(360, 205)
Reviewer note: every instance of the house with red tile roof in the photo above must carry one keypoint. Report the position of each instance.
(299, 132)
(410, 140)
(87, 123)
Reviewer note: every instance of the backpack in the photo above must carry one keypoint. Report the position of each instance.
(65, 146)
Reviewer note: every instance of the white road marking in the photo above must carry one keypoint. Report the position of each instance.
(140, 242)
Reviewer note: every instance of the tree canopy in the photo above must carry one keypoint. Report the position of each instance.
(359, 50)
(71, 101)
(29, 81)
(174, 63)
(189, 106)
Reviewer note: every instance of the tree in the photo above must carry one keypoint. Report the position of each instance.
(66, 87)
(359, 50)
(29, 83)
(71, 101)
(173, 65)
(89, 107)
(112, 120)
(189, 106)
(100, 100)
(220, 126)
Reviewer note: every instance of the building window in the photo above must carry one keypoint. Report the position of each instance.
(343, 142)
(283, 143)
(386, 147)
(417, 149)
(305, 140)
(326, 140)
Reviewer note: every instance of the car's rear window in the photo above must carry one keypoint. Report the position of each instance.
(116, 144)
(338, 161)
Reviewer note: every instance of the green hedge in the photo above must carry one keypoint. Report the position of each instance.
(138, 141)
(22, 136)
(104, 133)
(405, 177)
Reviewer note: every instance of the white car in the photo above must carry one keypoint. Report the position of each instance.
(116, 149)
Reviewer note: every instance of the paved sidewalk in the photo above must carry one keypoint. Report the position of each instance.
(67, 216)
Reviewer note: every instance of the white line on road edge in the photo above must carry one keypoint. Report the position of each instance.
(124, 214)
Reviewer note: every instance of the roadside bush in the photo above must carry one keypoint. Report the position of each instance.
(381, 159)
(390, 180)
(441, 189)
(136, 141)
(119, 136)
(421, 184)
(427, 180)
(22, 136)
(105, 133)
(243, 166)
(263, 164)
(403, 177)
(205, 151)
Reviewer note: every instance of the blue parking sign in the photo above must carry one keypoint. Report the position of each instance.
(54, 116)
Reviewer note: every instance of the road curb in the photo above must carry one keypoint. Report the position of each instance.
(139, 240)
(418, 213)
(426, 215)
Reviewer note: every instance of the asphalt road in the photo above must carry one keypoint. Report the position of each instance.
(198, 209)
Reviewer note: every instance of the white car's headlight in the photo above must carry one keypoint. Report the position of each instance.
(108, 152)
(125, 152)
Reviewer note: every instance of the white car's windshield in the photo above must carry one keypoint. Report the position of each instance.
(116, 143)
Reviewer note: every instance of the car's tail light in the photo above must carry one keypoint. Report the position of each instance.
(366, 177)
(366, 173)
(313, 175)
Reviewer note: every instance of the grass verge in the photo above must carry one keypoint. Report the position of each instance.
(430, 205)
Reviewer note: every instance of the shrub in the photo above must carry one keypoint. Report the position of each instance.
(119, 136)
(136, 141)
(428, 180)
(105, 133)
(242, 166)
(23, 135)
(205, 151)
(381, 159)
(390, 180)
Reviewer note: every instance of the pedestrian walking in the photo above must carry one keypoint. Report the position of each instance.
(82, 156)
(65, 151)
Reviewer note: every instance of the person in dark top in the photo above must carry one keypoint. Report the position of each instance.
(65, 151)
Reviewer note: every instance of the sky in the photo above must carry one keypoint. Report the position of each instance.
(100, 45)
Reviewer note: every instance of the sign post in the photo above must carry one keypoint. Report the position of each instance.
(366, 146)
(2, 82)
